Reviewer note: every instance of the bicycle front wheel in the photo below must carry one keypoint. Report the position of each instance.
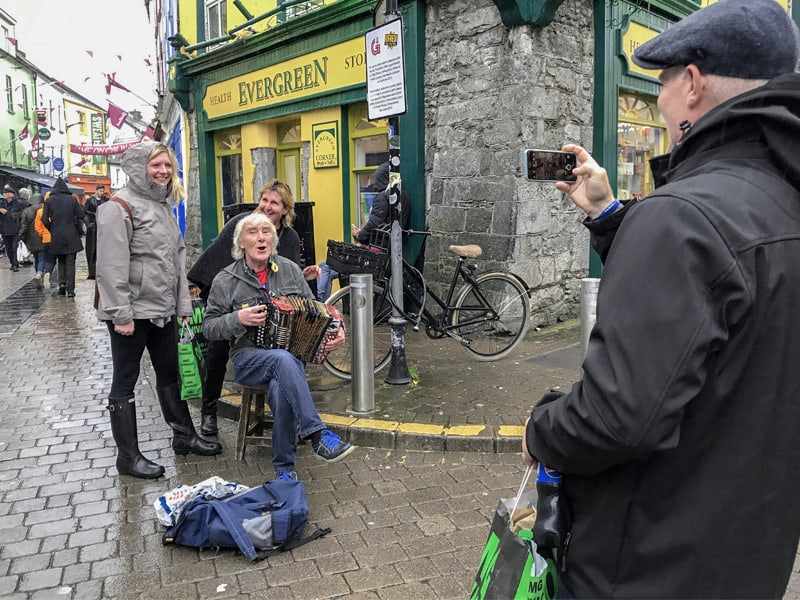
(340, 362)
(491, 315)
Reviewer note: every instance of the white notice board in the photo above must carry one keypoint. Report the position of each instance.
(386, 82)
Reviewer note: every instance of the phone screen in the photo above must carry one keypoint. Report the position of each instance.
(549, 165)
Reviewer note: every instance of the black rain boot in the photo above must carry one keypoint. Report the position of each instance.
(208, 417)
(176, 413)
(130, 461)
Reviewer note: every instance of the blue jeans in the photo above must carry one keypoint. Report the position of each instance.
(325, 281)
(289, 399)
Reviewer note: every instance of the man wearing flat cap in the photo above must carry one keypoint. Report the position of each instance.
(679, 448)
(11, 208)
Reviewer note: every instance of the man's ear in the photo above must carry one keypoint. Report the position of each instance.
(697, 91)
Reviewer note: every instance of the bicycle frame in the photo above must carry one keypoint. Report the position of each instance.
(441, 323)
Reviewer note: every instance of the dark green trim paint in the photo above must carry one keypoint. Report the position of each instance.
(527, 12)
(206, 164)
(412, 123)
(345, 153)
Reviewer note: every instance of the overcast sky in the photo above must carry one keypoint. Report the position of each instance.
(56, 34)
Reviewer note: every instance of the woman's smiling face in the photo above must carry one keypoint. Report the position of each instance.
(159, 169)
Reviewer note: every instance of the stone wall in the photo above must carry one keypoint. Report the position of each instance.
(491, 92)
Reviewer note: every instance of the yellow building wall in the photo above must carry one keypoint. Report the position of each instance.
(187, 20)
(325, 185)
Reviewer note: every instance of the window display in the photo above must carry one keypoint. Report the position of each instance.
(641, 135)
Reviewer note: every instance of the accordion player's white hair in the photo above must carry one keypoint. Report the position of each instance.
(254, 218)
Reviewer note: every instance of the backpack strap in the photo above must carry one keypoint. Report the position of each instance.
(318, 533)
(126, 207)
(235, 529)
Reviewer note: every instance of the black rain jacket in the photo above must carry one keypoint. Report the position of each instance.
(681, 444)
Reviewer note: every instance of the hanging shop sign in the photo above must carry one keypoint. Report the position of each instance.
(325, 144)
(44, 133)
(317, 73)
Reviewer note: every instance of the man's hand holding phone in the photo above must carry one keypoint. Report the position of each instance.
(591, 192)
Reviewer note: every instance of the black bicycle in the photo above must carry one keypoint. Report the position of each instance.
(487, 315)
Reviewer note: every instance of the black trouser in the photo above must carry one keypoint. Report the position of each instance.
(217, 353)
(66, 272)
(11, 242)
(127, 350)
(91, 248)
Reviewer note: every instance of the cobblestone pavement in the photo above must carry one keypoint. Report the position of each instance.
(406, 523)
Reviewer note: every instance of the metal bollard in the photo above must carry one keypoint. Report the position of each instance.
(589, 287)
(363, 381)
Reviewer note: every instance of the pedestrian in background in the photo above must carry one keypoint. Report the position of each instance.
(49, 260)
(141, 280)
(679, 446)
(63, 217)
(276, 201)
(11, 208)
(90, 207)
(32, 238)
(236, 309)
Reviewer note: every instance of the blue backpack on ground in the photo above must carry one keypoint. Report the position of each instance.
(259, 522)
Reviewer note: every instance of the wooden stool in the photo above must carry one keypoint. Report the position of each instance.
(252, 425)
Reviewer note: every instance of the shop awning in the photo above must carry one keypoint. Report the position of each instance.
(38, 179)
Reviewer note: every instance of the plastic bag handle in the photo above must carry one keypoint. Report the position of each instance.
(524, 483)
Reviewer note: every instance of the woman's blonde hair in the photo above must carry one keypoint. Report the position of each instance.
(255, 218)
(177, 187)
(285, 192)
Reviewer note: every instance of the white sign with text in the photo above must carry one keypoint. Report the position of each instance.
(386, 85)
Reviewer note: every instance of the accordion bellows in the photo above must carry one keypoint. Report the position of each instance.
(298, 325)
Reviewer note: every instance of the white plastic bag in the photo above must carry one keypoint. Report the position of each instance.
(23, 254)
(168, 507)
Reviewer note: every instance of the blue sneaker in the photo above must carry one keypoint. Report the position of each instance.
(287, 476)
(330, 447)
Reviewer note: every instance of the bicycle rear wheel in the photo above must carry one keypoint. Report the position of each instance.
(491, 315)
(340, 362)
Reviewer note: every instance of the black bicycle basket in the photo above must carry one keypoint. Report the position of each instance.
(349, 258)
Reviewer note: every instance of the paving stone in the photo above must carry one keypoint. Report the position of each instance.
(336, 563)
(373, 578)
(39, 579)
(375, 556)
(8, 585)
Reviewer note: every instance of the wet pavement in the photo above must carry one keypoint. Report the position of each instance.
(410, 512)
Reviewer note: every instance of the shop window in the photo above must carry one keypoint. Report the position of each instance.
(641, 135)
(25, 101)
(228, 149)
(370, 144)
(9, 95)
(216, 18)
(296, 10)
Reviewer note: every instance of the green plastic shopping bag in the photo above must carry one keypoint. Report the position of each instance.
(190, 364)
(510, 565)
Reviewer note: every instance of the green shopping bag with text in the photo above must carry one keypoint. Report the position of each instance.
(510, 565)
(190, 364)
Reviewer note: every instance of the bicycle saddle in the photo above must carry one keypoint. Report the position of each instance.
(469, 251)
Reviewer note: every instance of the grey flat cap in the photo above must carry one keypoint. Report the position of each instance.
(749, 39)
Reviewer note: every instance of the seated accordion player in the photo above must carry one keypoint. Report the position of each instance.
(299, 325)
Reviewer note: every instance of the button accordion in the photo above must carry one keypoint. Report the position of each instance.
(299, 325)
